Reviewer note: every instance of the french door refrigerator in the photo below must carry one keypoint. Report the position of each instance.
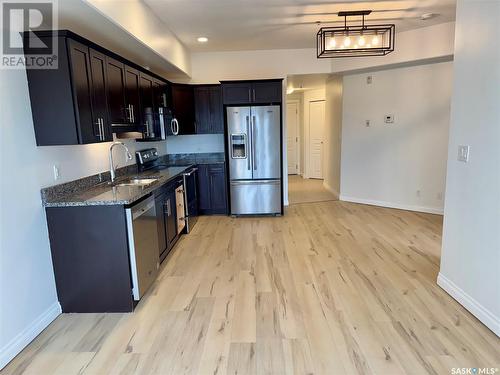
(254, 143)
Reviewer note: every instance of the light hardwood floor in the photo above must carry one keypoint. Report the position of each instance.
(302, 190)
(330, 288)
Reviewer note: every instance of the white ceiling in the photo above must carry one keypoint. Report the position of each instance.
(305, 82)
(233, 25)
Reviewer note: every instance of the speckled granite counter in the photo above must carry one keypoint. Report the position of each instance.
(104, 194)
(96, 190)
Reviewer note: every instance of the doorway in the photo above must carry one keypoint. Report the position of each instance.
(292, 123)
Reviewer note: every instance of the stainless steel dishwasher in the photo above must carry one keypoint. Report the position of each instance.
(143, 245)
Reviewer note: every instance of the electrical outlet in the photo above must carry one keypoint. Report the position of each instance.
(389, 119)
(369, 80)
(57, 173)
(463, 153)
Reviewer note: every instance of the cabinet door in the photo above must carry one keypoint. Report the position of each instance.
(171, 217)
(99, 95)
(203, 188)
(88, 129)
(161, 214)
(132, 95)
(202, 109)
(266, 92)
(217, 184)
(116, 91)
(183, 108)
(147, 97)
(216, 111)
(237, 93)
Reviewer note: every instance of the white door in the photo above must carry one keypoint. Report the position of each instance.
(292, 142)
(316, 138)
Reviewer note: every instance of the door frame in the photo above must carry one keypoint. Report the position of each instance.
(307, 139)
(299, 135)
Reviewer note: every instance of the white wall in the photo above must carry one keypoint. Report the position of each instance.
(422, 45)
(333, 132)
(184, 144)
(27, 290)
(470, 259)
(386, 164)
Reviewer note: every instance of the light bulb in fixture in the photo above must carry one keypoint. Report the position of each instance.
(375, 40)
(347, 41)
(361, 41)
(355, 46)
(332, 43)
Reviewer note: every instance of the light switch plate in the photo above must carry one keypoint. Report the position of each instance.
(463, 153)
(389, 119)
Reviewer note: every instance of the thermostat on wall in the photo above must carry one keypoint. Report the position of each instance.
(389, 119)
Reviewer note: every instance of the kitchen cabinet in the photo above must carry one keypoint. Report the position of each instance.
(208, 109)
(92, 94)
(252, 92)
(183, 108)
(68, 104)
(212, 188)
(133, 96)
(166, 215)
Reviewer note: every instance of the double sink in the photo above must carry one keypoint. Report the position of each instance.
(135, 181)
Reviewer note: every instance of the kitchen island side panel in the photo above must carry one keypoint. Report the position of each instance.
(90, 258)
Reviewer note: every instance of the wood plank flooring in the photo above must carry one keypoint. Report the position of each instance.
(330, 288)
(303, 190)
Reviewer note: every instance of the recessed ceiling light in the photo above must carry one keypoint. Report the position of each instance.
(202, 39)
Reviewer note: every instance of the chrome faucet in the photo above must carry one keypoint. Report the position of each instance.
(111, 166)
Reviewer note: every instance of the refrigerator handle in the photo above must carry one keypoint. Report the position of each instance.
(254, 131)
(247, 143)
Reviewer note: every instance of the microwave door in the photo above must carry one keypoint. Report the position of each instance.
(239, 143)
(265, 129)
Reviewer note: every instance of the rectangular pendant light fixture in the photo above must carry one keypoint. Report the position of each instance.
(355, 41)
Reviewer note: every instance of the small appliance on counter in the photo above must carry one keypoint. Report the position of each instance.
(149, 160)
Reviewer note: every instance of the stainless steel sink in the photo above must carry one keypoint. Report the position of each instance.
(136, 182)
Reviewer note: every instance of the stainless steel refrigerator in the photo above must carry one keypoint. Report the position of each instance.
(254, 144)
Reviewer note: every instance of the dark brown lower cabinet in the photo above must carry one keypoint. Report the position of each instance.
(90, 257)
(166, 215)
(212, 188)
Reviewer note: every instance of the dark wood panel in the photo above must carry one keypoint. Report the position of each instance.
(90, 258)
(237, 93)
(99, 94)
(183, 107)
(267, 92)
(53, 115)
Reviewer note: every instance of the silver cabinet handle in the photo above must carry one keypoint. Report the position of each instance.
(102, 129)
(254, 131)
(132, 113)
(98, 123)
(248, 142)
(253, 94)
(174, 126)
(129, 109)
(168, 208)
(249, 96)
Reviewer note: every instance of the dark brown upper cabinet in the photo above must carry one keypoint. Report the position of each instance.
(183, 108)
(252, 92)
(208, 109)
(91, 95)
(69, 103)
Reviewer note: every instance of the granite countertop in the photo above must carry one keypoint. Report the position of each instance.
(104, 193)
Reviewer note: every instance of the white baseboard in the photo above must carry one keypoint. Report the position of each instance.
(430, 210)
(475, 308)
(19, 342)
(330, 189)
